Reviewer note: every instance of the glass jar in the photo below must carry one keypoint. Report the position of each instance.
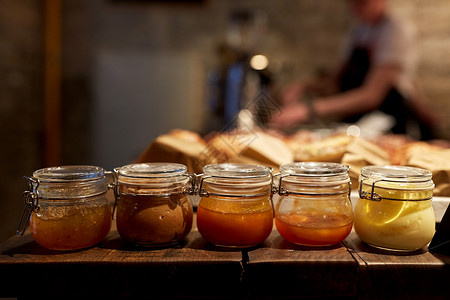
(235, 208)
(394, 209)
(314, 207)
(153, 206)
(68, 207)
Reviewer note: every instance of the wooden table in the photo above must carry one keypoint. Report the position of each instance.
(274, 270)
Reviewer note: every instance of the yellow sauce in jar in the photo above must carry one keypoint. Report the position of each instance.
(404, 224)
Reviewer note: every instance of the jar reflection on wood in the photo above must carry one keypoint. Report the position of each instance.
(394, 209)
(314, 207)
(235, 209)
(68, 206)
(153, 206)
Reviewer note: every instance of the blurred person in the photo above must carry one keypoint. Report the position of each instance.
(377, 72)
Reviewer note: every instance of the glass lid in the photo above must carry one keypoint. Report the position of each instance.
(396, 173)
(69, 173)
(312, 169)
(152, 170)
(234, 170)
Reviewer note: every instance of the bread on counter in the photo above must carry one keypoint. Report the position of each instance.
(190, 149)
(273, 149)
(178, 146)
(328, 149)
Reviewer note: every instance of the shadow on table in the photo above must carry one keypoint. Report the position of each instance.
(26, 245)
(192, 241)
(278, 242)
(357, 245)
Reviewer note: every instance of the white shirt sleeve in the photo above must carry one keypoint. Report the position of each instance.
(396, 46)
(393, 44)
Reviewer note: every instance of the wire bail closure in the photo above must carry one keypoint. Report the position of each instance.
(284, 192)
(192, 189)
(202, 192)
(373, 196)
(115, 186)
(377, 197)
(31, 203)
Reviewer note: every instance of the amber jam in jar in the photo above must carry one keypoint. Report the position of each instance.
(314, 207)
(394, 209)
(153, 205)
(235, 209)
(68, 206)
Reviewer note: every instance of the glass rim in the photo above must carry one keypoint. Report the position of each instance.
(314, 169)
(237, 170)
(69, 173)
(396, 173)
(152, 170)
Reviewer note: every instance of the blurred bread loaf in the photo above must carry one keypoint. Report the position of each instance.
(253, 147)
(179, 146)
(273, 149)
(189, 148)
(328, 149)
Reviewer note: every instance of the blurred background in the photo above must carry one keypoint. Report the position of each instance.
(95, 81)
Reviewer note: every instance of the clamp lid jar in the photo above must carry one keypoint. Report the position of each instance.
(153, 205)
(235, 209)
(394, 209)
(314, 207)
(68, 207)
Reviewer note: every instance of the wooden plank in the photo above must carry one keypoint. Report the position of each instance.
(196, 269)
(115, 269)
(280, 269)
(399, 275)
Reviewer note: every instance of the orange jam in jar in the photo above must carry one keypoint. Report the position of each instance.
(68, 206)
(153, 205)
(314, 207)
(235, 209)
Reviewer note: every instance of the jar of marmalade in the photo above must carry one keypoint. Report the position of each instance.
(153, 205)
(235, 208)
(314, 207)
(68, 207)
(394, 209)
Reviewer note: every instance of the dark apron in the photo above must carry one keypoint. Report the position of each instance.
(394, 104)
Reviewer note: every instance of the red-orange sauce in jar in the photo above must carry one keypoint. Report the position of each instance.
(235, 209)
(67, 207)
(314, 207)
(314, 229)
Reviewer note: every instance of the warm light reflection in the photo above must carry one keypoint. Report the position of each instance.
(259, 62)
(353, 130)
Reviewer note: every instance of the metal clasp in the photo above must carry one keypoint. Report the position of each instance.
(284, 192)
(274, 188)
(373, 196)
(201, 191)
(115, 187)
(192, 189)
(31, 203)
(281, 190)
